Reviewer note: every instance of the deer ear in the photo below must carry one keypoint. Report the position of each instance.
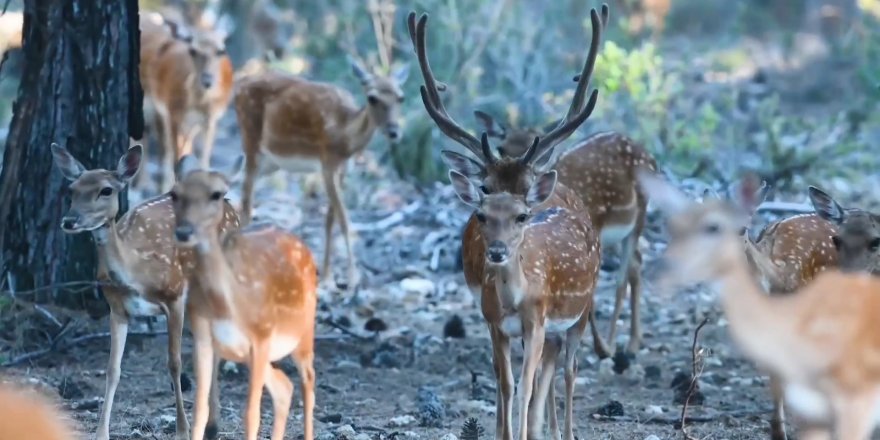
(465, 189)
(749, 193)
(236, 171)
(668, 198)
(130, 163)
(401, 74)
(544, 159)
(70, 168)
(542, 189)
(362, 74)
(463, 164)
(187, 164)
(491, 127)
(825, 206)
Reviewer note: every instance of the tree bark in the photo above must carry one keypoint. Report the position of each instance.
(79, 88)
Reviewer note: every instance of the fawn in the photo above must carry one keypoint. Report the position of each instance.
(28, 415)
(143, 272)
(602, 171)
(520, 214)
(299, 125)
(258, 305)
(183, 71)
(820, 345)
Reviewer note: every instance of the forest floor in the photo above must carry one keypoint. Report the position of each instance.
(394, 383)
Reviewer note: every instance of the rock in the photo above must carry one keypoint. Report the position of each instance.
(326, 435)
(362, 436)
(375, 325)
(449, 436)
(330, 418)
(652, 437)
(345, 430)
(653, 410)
(400, 421)
(611, 409)
(454, 328)
(430, 407)
(420, 286)
(653, 372)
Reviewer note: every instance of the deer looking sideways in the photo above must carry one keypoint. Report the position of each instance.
(304, 126)
(820, 342)
(259, 305)
(184, 71)
(521, 214)
(28, 415)
(602, 171)
(791, 252)
(142, 271)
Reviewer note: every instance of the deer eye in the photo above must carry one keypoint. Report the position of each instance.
(216, 195)
(193, 52)
(874, 245)
(522, 218)
(484, 190)
(173, 196)
(481, 217)
(837, 242)
(712, 228)
(221, 52)
(106, 191)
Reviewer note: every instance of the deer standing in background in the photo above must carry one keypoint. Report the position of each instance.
(28, 415)
(259, 305)
(142, 271)
(602, 171)
(820, 342)
(521, 214)
(184, 71)
(300, 125)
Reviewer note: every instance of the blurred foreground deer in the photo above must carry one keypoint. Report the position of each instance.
(299, 125)
(185, 72)
(602, 171)
(820, 342)
(26, 415)
(258, 306)
(531, 254)
(141, 269)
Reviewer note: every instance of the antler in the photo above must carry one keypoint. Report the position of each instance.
(431, 97)
(577, 112)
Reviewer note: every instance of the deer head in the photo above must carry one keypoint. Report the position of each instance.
(198, 199)
(94, 200)
(515, 141)
(207, 48)
(384, 97)
(858, 237)
(503, 216)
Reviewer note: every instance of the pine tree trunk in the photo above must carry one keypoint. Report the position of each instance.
(79, 88)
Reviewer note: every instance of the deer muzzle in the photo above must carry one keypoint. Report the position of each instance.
(497, 253)
(183, 233)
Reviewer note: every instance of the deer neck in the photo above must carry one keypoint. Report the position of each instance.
(762, 266)
(510, 282)
(212, 268)
(359, 130)
(113, 253)
(754, 316)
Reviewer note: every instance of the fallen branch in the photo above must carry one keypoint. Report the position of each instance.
(343, 329)
(785, 207)
(677, 420)
(696, 372)
(56, 344)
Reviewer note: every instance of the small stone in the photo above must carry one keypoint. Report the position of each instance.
(326, 435)
(345, 430)
(419, 286)
(653, 372)
(611, 409)
(653, 410)
(362, 436)
(449, 436)
(375, 325)
(400, 421)
(652, 437)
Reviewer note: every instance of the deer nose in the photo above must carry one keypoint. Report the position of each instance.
(497, 252)
(68, 223)
(393, 132)
(183, 232)
(207, 80)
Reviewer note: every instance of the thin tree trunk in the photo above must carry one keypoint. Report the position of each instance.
(79, 88)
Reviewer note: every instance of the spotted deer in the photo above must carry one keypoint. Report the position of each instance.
(299, 125)
(530, 252)
(820, 342)
(28, 415)
(857, 240)
(142, 271)
(184, 72)
(259, 305)
(602, 171)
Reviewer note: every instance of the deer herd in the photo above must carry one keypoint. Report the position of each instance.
(799, 297)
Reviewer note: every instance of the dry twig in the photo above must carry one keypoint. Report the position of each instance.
(696, 371)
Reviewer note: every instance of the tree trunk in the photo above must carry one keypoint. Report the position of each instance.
(79, 88)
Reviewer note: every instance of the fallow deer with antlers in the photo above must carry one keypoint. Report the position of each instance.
(184, 71)
(299, 125)
(142, 271)
(530, 252)
(602, 171)
(258, 306)
(820, 341)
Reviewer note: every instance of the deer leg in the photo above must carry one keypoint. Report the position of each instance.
(118, 334)
(551, 407)
(212, 428)
(203, 352)
(541, 395)
(259, 362)
(600, 347)
(853, 414)
(622, 284)
(171, 152)
(572, 343)
(533, 339)
(251, 165)
(281, 390)
(635, 299)
(329, 221)
(208, 141)
(304, 361)
(777, 421)
(175, 334)
(504, 383)
(353, 276)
